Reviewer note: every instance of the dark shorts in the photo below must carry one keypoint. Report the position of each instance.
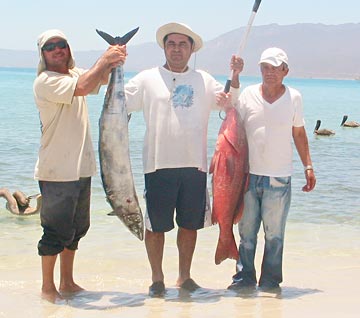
(64, 215)
(183, 189)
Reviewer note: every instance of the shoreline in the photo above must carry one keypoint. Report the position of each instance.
(255, 76)
(321, 271)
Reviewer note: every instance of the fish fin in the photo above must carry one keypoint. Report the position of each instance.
(214, 162)
(239, 212)
(240, 205)
(247, 181)
(235, 133)
(230, 165)
(232, 141)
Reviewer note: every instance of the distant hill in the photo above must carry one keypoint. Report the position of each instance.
(315, 51)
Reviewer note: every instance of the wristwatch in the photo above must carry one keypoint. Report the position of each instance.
(308, 167)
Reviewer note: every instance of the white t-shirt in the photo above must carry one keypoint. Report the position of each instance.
(176, 109)
(66, 152)
(269, 130)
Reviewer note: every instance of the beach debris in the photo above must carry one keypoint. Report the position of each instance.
(115, 165)
(324, 131)
(19, 204)
(230, 173)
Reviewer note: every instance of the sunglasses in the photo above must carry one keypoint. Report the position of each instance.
(52, 46)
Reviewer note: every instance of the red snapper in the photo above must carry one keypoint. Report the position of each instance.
(230, 172)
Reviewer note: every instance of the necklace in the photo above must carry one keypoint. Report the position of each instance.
(174, 79)
(172, 73)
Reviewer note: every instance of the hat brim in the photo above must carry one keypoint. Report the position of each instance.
(274, 56)
(180, 29)
(272, 61)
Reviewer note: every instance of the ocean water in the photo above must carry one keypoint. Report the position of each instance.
(323, 226)
(336, 163)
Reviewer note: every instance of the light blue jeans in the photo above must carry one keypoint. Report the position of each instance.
(268, 201)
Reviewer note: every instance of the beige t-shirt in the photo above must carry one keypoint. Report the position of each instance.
(66, 152)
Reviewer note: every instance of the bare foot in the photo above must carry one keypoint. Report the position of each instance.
(189, 285)
(51, 296)
(70, 288)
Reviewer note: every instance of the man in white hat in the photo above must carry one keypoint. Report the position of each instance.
(273, 118)
(176, 101)
(66, 159)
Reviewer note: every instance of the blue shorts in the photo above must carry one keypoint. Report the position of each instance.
(64, 215)
(183, 189)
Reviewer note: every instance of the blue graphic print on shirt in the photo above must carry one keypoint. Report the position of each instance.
(183, 96)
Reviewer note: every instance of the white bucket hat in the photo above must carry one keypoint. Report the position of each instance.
(179, 28)
(42, 39)
(274, 56)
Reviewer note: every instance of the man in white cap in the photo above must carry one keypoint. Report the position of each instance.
(66, 159)
(273, 117)
(176, 101)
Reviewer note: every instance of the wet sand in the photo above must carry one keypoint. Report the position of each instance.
(321, 275)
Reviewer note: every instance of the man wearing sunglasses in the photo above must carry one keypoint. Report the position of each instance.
(66, 159)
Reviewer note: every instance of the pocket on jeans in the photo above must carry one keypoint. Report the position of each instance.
(279, 182)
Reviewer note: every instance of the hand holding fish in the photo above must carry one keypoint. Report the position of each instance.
(115, 55)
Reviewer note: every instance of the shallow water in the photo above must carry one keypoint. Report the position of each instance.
(111, 264)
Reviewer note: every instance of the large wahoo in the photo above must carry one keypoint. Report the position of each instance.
(114, 155)
(230, 169)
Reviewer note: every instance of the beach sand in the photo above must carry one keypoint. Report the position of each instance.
(321, 276)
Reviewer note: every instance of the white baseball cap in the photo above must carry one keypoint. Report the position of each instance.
(274, 56)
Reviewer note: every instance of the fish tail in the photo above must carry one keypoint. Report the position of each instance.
(226, 250)
(214, 218)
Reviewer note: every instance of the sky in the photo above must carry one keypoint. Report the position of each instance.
(23, 20)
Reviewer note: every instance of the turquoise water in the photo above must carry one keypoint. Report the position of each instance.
(334, 200)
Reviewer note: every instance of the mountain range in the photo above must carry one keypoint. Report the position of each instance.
(314, 50)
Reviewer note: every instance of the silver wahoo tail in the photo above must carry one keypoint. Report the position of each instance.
(115, 165)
